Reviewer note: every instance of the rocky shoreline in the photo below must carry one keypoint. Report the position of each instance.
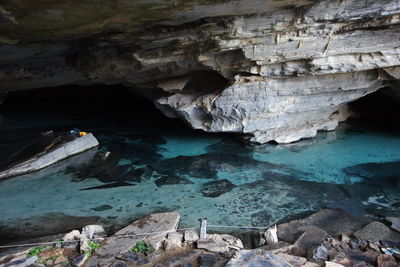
(326, 238)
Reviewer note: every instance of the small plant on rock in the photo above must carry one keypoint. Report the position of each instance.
(92, 246)
(141, 247)
(35, 251)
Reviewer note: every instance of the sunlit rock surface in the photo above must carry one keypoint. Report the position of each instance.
(271, 70)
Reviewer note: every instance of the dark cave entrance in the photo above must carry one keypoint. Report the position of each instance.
(380, 110)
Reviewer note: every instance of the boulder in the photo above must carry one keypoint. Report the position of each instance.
(232, 241)
(334, 222)
(93, 231)
(271, 235)
(213, 243)
(309, 240)
(374, 232)
(73, 235)
(173, 241)
(256, 257)
(385, 260)
(216, 188)
(191, 235)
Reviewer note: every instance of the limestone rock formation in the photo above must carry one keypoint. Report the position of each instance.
(268, 70)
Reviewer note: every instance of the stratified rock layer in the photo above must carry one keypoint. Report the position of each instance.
(273, 73)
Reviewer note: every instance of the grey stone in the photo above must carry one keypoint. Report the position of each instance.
(22, 262)
(256, 257)
(334, 222)
(79, 261)
(309, 240)
(302, 65)
(93, 230)
(173, 241)
(133, 257)
(232, 241)
(213, 243)
(162, 223)
(395, 222)
(373, 232)
(191, 235)
(293, 260)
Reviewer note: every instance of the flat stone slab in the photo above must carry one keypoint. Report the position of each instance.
(256, 257)
(116, 245)
(377, 231)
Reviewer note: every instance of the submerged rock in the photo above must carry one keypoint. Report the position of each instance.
(170, 180)
(216, 188)
(102, 208)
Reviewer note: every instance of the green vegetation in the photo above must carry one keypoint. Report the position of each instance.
(141, 247)
(35, 251)
(92, 246)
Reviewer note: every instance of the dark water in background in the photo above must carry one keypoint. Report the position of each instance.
(158, 164)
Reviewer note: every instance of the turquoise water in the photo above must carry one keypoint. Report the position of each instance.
(165, 166)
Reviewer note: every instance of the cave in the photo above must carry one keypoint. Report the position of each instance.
(250, 113)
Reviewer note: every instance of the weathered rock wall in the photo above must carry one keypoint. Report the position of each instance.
(280, 74)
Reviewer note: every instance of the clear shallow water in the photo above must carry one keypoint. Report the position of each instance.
(159, 165)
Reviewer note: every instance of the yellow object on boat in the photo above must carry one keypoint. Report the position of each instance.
(82, 133)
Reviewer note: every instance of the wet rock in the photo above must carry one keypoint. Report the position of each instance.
(374, 231)
(334, 222)
(93, 231)
(173, 241)
(102, 208)
(191, 235)
(79, 261)
(384, 260)
(395, 222)
(169, 180)
(309, 240)
(256, 257)
(22, 262)
(216, 188)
